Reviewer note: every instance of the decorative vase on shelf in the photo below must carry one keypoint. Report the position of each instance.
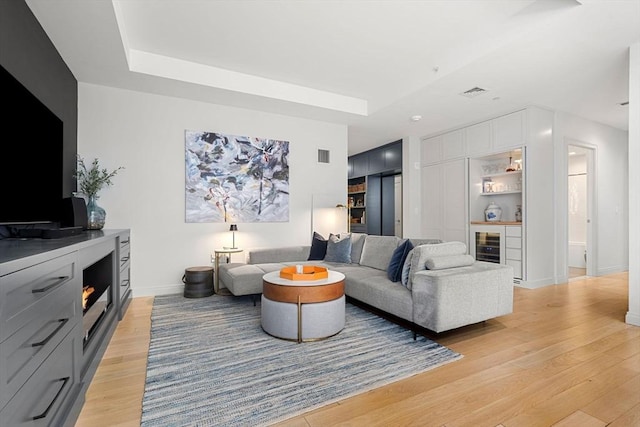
(96, 216)
(519, 213)
(493, 212)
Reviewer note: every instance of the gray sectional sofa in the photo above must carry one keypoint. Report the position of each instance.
(441, 288)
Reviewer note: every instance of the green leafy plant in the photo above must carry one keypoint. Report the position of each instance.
(92, 179)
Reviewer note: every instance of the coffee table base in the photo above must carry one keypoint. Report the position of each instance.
(303, 322)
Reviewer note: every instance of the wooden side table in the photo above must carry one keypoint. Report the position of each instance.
(217, 253)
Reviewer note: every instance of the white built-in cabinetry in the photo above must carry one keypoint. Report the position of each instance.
(513, 249)
(446, 183)
(498, 243)
(453, 188)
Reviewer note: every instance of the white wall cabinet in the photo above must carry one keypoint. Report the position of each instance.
(509, 131)
(478, 139)
(453, 145)
(499, 134)
(449, 206)
(444, 201)
(445, 147)
(431, 150)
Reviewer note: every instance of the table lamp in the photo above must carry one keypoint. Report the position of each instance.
(233, 228)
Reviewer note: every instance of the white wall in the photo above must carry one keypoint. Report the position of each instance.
(411, 182)
(145, 134)
(611, 217)
(633, 315)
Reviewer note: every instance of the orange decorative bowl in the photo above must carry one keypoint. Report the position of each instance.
(309, 272)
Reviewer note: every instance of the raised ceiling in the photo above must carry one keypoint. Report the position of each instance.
(369, 64)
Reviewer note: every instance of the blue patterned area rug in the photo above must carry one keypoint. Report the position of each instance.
(211, 364)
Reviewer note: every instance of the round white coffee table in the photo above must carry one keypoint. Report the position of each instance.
(303, 310)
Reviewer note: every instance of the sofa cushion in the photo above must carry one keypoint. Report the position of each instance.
(287, 253)
(394, 270)
(419, 242)
(377, 251)
(448, 261)
(406, 268)
(245, 279)
(422, 252)
(318, 247)
(357, 242)
(372, 287)
(338, 249)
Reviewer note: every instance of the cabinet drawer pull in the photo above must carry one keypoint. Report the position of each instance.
(125, 242)
(46, 411)
(59, 281)
(51, 335)
(124, 259)
(125, 283)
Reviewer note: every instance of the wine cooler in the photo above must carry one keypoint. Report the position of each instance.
(488, 243)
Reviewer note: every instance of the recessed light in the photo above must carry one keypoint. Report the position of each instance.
(416, 118)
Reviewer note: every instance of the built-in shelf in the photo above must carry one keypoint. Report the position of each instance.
(501, 174)
(497, 193)
(496, 222)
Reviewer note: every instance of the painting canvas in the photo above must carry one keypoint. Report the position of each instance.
(235, 179)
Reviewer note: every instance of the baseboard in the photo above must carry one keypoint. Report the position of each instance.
(535, 284)
(158, 290)
(612, 270)
(632, 318)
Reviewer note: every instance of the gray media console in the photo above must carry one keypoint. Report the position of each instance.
(60, 302)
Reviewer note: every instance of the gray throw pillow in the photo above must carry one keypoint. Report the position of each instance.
(338, 249)
(406, 269)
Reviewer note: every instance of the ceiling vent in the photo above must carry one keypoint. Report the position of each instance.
(473, 92)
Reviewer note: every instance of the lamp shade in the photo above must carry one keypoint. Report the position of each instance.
(233, 227)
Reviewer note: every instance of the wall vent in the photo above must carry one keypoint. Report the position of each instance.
(473, 92)
(323, 156)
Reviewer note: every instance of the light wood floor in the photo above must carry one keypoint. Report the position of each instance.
(564, 358)
(577, 272)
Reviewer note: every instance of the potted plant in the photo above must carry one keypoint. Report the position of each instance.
(90, 181)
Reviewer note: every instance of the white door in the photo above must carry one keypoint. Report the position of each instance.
(580, 210)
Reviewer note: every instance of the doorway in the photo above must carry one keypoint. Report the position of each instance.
(580, 210)
(397, 185)
(391, 205)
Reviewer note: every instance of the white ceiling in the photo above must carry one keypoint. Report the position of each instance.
(368, 64)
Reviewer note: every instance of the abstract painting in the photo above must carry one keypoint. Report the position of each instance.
(235, 179)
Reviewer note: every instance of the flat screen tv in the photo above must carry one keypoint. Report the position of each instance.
(31, 157)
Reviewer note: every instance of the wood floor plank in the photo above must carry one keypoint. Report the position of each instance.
(581, 419)
(564, 357)
(629, 418)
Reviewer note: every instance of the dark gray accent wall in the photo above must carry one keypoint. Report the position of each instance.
(28, 54)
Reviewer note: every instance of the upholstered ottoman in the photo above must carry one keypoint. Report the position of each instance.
(303, 310)
(245, 279)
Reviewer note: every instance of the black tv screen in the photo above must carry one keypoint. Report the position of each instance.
(31, 156)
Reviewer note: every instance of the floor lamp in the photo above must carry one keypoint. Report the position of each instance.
(348, 208)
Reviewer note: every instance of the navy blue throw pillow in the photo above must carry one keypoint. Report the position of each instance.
(318, 248)
(394, 271)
